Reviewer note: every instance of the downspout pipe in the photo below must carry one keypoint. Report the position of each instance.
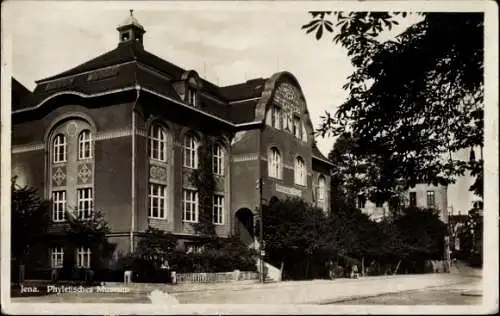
(133, 181)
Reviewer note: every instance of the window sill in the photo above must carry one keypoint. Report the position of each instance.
(275, 179)
(156, 161)
(85, 159)
(157, 218)
(300, 186)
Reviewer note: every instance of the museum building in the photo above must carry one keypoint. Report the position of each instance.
(120, 134)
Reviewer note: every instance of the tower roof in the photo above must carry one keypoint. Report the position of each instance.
(131, 21)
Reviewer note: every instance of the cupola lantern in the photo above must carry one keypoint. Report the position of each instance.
(131, 30)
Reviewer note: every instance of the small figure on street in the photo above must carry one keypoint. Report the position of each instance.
(355, 273)
(164, 265)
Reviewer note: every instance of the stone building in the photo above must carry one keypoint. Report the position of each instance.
(421, 195)
(120, 134)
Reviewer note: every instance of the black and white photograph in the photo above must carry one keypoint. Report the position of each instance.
(250, 157)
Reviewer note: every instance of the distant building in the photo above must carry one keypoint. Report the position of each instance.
(120, 134)
(421, 195)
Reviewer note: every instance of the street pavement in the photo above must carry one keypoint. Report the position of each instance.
(338, 291)
(328, 292)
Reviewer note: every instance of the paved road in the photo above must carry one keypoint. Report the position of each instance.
(419, 297)
(327, 292)
(411, 289)
(468, 293)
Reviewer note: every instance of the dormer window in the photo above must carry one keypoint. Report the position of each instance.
(276, 117)
(297, 129)
(192, 97)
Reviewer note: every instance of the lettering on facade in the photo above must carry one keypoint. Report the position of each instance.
(288, 190)
(61, 83)
(103, 74)
(245, 157)
(26, 148)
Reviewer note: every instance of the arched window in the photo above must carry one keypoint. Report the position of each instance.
(191, 152)
(321, 191)
(85, 145)
(158, 143)
(300, 171)
(274, 163)
(59, 148)
(218, 159)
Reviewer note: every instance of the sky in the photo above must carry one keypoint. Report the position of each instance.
(226, 44)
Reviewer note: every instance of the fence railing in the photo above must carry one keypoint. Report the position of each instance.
(216, 277)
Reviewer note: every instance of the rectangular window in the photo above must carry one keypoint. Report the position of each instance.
(59, 148)
(192, 98)
(190, 206)
(218, 160)
(297, 129)
(276, 115)
(157, 201)
(286, 121)
(83, 258)
(191, 152)
(85, 203)
(218, 210)
(56, 257)
(85, 145)
(431, 199)
(158, 143)
(413, 198)
(59, 206)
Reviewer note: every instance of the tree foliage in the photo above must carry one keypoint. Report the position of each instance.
(156, 246)
(88, 232)
(30, 217)
(294, 234)
(422, 232)
(305, 239)
(414, 100)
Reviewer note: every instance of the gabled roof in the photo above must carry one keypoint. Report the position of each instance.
(247, 90)
(21, 96)
(129, 65)
(318, 155)
(127, 51)
(220, 103)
